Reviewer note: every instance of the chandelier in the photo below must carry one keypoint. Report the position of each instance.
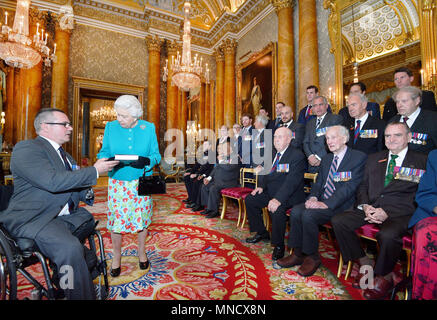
(16, 47)
(102, 116)
(186, 73)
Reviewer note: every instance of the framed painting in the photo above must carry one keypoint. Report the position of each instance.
(257, 82)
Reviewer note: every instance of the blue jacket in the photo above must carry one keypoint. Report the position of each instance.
(426, 195)
(140, 140)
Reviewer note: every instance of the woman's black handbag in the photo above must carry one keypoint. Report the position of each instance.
(154, 184)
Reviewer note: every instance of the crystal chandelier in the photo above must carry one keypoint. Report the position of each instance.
(186, 74)
(16, 47)
(102, 116)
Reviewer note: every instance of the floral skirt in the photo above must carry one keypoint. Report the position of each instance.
(128, 212)
(424, 259)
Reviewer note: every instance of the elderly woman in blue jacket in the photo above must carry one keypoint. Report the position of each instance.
(128, 212)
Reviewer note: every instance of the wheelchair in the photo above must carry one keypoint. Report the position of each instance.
(18, 254)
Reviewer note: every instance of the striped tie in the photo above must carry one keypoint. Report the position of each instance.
(329, 187)
(308, 112)
(275, 164)
(357, 131)
(405, 119)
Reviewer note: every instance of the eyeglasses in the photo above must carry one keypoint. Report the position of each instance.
(65, 124)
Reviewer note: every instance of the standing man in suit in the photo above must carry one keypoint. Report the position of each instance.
(278, 189)
(224, 175)
(371, 107)
(261, 146)
(314, 141)
(245, 147)
(270, 123)
(403, 77)
(366, 131)
(277, 120)
(306, 113)
(422, 122)
(385, 198)
(297, 129)
(334, 191)
(48, 186)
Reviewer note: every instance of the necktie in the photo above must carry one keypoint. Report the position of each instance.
(357, 131)
(68, 167)
(275, 163)
(405, 119)
(329, 186)
(308, 112)
(319, 120)
(391, 166)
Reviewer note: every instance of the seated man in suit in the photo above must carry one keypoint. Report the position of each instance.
(365, 130)
(403, 77)
(372, 108)
(385, 198)
(224, 175)
(191, 175)
(314, 144)
(297, 129)
(306, 113)
(334, 191)
(48, 186)
(422, 122)
(278, 189)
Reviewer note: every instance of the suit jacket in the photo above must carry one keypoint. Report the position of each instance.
(42, 187)
(245, 146)
(365, 144)
(428, 103)
(426, 195)
(301, 118)
(299, 133)
(225, 175)
(425, 123)
(397, 198)
(259, 147)
(343, 197)
(313, 144)
(286, 186)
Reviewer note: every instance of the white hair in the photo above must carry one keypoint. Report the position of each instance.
(130, 104)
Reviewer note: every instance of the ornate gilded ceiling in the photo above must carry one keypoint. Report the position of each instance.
(376, 27)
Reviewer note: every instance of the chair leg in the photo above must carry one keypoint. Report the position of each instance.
(266, 219)
(224, 208)
(340, 266)
(239, 212)
(348, 270)
(243, 220)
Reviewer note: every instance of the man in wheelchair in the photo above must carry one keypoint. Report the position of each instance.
(44, 207)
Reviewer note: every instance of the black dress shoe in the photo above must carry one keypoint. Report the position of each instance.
(197, 208)
(115, 272)
(212, 214)
(190, 205)
(186, 201)
(258, 237)
(144, 265)
(205, 212)
(278, 253)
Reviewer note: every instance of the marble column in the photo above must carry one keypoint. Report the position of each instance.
(202, 105)
(428, 36)
(286, 81)
(154, 81)
(59, 89)
(207, 106)
(184, 114)
(172, 90)
(220, 86)
(308, 50)
(9, 106)
(229, 48)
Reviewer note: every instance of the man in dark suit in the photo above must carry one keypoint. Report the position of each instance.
(306, 113)
(278, 108)
(371, 107)
(314, 141)
(297, 129)
(334, 191)
(224, 175)
(261, 146)
(270, 123)
(203, 166)
(403, 77)
(48, 186)
(422, 122)
(366, 131)
(281, 187)
(384, 198)
(245, 144)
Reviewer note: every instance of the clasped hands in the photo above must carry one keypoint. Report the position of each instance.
(313, 161)
(313, 203)
(374, 215)
(273, 203)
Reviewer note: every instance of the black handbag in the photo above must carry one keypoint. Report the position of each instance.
(154, 184)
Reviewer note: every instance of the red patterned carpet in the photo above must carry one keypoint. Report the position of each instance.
(196, 258)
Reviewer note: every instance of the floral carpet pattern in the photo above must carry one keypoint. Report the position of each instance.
(194, 258)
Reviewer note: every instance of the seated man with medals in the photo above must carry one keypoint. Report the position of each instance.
(385, 198)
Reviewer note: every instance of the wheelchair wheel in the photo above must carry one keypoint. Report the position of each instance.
(8, 272)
